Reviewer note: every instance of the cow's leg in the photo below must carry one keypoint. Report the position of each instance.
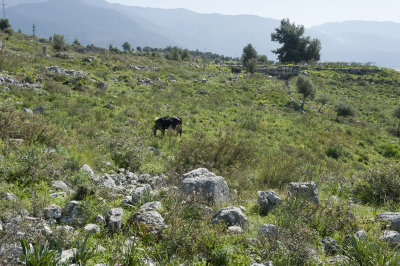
(162, 132)
(155, 131)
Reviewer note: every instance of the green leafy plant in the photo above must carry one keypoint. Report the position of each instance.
(84, 251)
(369, 252)
(39, 255)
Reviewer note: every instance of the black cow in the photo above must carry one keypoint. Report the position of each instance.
(164, 123)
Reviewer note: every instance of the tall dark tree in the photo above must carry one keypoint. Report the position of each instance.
(126, 46)
(249, 58)
(4, 24)
(295, 48)
(396, 114)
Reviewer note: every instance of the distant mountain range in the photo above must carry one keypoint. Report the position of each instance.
(102, 23)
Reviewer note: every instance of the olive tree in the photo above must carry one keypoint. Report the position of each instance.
(249, 58)
(306, 87)
(58, 42)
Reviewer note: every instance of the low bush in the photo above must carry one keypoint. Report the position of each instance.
(379, 185)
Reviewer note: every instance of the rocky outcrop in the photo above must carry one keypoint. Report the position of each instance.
(148, 220)
(205, 184)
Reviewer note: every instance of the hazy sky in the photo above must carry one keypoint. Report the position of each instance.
(306, 12)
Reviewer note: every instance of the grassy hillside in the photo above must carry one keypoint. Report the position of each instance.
(241, 127)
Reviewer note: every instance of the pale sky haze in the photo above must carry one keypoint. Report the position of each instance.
(306, 12)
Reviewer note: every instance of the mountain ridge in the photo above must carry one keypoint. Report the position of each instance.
(360, 41)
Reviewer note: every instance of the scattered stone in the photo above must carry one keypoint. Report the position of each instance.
(268, 200)
(70, 212)
(361, 235)
(92, 228)
(65, 228)
(206, 184)
(395, 224)
(99, 219)
(8, 197)
(28, 111)
(39, 109)
(63, 71)
(152, 220)
(59, 195)
(66, 255)
(102, 85)
(100, 248)
(151, 206)
(141, 193)
(234, 230)
(52, 212)
(306, 190)
(155, 151)
(269, 231)
(391, 237)
(253, 241)
(86, 168)
(60, 185)
(44, 229)
(231, 216)
(330, 246)
(114, 219)
(338, 260)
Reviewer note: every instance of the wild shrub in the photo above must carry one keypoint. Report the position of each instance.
(221, 154)
(30, 165)
(29, 127)
(369, 252)
(285, 164)
(389, 150)
(344, 110)
(329, 218)
(127, 153)
(59, 42)
(379, 185)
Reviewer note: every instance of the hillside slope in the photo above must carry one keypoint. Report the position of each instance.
(80, 167)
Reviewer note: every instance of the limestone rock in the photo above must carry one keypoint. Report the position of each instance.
(150, 219)
(151, 206)
(92, 228)
(114, 219)
(231, 216)
(66, 255)
(205, 184)
(330, 246)
(140, 193)
(86, 169)
(268, 200)
(234, 230)
(391, 237)
(269, 231)
(52, 212)
(306, 190)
